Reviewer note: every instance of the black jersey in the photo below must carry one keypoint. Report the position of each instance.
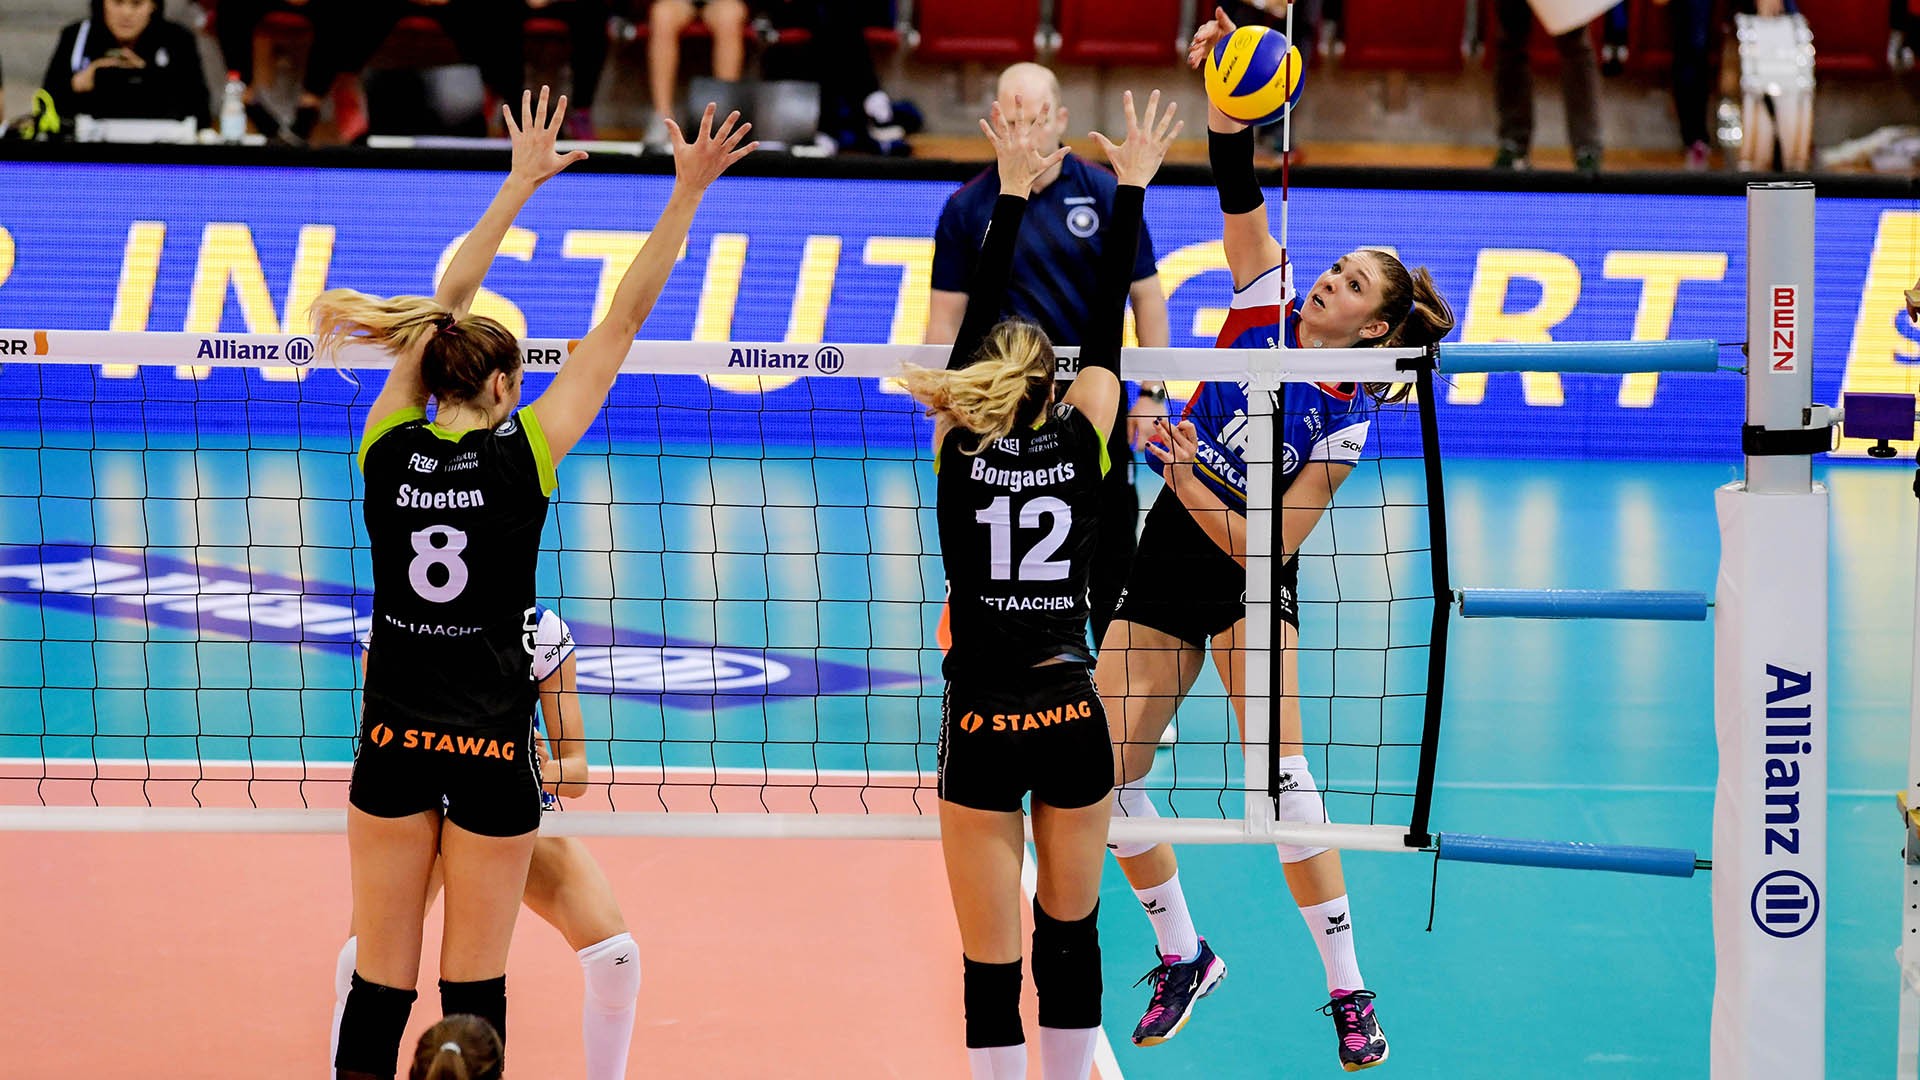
(1018, 523)
(455, 529)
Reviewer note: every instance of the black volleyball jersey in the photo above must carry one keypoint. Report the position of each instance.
(1017, 528)
(455, 525)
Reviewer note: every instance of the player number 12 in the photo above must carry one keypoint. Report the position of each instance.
(1039, 563)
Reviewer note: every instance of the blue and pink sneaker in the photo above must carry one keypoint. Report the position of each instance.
(1177, 986)
(1362, 1044)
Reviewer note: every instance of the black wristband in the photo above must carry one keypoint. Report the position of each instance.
(1232, 160)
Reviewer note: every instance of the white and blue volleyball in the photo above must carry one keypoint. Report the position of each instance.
(1254, 75)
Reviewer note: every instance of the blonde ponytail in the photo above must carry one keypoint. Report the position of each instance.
(1005, 386)
(400, 323)
(458, 353)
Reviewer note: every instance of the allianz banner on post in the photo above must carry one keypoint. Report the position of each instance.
(227, 249)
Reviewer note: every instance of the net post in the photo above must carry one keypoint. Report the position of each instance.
(1262, 659)
(1770, 674)
(1418, 835)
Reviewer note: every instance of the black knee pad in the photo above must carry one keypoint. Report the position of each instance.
(992, 994)
(1066, 969)
(485, 998)
(371, 1026)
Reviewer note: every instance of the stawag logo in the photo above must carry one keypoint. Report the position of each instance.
(1033, 721)
(439, 742)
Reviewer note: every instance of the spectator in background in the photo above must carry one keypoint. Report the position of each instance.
(1052, 284)
(586, 55)
(235, 23)
(487, 34)
(727, 19)
(1692, 22)
(1513, 90)
(126, 61)
(855, 112)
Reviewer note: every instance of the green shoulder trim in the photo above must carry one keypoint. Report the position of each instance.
(387, 423)
(542, 454)
(1106, 459)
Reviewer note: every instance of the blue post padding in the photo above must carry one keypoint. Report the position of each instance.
(1583, 604)
(1592, 357)
(1566, 855)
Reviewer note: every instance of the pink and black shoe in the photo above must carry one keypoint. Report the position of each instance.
(1362, 1044)
(1177, 986)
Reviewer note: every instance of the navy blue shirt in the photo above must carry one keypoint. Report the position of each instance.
(1055, 260)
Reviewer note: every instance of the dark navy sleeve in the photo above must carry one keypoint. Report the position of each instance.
(954, 243)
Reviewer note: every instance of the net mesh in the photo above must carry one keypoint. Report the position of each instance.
(748, 561)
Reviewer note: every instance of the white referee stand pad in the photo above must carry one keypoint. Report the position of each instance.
(1770, 686)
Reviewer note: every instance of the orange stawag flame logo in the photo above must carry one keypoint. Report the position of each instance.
(381, 735)
(971, 722)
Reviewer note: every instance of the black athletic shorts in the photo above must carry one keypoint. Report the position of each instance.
(1042, 730)
(486, 780)
(1183, 584)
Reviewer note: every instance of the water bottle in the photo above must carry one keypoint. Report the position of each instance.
(233, 109)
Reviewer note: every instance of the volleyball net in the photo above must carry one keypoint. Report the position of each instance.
(743, 546)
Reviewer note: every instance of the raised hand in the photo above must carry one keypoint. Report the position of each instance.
(697, 164)
(1139, 157)
(533, 158)
(1013, 139)
(1177, 447)
(1207, 36)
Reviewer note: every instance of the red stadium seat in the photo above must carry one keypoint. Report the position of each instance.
(1849, 39)
(1396, 34)
(992, 32)
(1105, 33)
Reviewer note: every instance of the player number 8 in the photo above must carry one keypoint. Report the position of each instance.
(438, 545)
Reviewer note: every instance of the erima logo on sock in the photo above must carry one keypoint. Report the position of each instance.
(1153, 907)
(1285, 783)
(1337, 924)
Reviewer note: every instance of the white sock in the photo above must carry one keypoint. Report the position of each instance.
(878, 107)
(1067, 1053)
(998, 1062)
(612, 972)
(1166, 907)
(342, 986)
(1331, 925)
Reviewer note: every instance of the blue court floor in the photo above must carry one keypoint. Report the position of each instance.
(809, 577)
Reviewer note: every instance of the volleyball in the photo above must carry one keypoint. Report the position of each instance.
(1254, 75)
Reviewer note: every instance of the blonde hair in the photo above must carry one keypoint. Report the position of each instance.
(1006, 385)
(458, 353)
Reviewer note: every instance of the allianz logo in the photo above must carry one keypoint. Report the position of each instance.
(674, 669)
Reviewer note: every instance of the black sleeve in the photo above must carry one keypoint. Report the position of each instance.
(987, 292)
(1106, 316)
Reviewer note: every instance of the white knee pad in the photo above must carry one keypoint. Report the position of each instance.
(612, 971)
(1299, 801)
(1130, 801)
